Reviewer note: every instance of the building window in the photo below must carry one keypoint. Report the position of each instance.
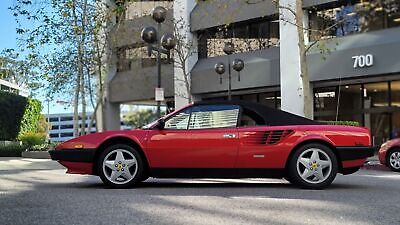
(131, 58)
(395, 93)
(66, 118)
(395, 103)
(67, 126)
(395, 125)
(325, 99)
(353, 18)
(55, 127)
(268, 99)
(54, 119)
(54, 135)
(271, 99)
(249, 36)
(373, 105)
(66, 135)
(376, 95)
(338, 103)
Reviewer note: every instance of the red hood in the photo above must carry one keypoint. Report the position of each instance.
(91, 141)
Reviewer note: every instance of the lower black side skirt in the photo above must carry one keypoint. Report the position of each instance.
(216, 173)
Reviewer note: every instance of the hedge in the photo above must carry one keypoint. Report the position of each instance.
(12, 150)
(18, 115)
(347, 123)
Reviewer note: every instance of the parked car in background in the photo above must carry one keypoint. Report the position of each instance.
(227, 139)
(389, 154)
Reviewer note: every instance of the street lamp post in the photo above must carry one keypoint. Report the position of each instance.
(237, 65)
(162, 45)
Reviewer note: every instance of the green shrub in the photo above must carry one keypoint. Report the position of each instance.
(12, 150)
(42, 147)
(32, 115)
(12, 108)
(18, 115)
(32, 139)
(347, 123)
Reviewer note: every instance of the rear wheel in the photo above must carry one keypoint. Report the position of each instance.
(120, 166)
(393, 160)
(313, 166)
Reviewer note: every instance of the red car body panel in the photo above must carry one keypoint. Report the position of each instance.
(256, 147)
(394, 143)
(195, 149)
(78, 167)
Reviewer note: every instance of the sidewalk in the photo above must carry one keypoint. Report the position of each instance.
(373, 163)
(19, 163)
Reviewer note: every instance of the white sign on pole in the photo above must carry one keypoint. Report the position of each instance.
(159, 94)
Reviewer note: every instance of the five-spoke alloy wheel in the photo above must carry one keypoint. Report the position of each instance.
(393, 160)
(120, 166)
(313, 166)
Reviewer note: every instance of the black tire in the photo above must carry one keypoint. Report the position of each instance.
(295, 177)
(388, 164)
(140, 170)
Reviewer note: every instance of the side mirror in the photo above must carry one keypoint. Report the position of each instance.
(160, 124)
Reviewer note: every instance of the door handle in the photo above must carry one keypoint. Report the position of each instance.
(229, 135)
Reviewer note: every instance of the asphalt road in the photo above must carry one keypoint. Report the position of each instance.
(39, 192)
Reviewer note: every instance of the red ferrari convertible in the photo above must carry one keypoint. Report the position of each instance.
(229, 139)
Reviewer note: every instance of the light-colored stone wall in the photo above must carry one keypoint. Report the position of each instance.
(139, 8)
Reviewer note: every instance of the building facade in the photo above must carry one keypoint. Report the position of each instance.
(354, 67)
(13, 88)
(62, 126)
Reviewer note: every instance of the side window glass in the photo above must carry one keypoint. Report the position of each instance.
(250, 119)
(179, 121)
(214, 116)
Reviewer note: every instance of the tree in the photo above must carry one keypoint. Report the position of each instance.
(19, 71)
(67, 35)
(183, 50)
(139, 118)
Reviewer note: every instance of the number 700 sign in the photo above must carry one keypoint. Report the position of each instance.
(361, 61)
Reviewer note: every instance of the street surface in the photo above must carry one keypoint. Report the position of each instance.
(39, 192)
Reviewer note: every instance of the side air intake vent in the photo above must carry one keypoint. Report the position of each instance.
(275, 136)
(266, 137)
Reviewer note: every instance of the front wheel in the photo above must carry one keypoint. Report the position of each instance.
(313, 166)
(393, 160)
(120, 166)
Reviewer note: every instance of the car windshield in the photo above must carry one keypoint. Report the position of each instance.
(148, 126)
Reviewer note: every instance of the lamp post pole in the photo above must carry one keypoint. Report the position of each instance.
(237, 65)
(158, 69)
(229, 79)
(163, 45)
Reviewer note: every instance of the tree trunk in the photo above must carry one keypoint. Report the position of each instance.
(79, 74)
(306, 91)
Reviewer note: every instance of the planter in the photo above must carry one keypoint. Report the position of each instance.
(36, 154)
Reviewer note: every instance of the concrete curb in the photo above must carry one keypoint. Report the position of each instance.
(379, 167)
(36, 154)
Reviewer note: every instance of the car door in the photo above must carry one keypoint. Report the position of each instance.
(165, 146)
(262, 146)
(213, 130)
(203, 136)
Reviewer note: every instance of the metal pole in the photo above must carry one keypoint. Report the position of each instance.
(229, 78)
(158, 67)
(48, 121)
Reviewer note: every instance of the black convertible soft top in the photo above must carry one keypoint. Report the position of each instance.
(266, 115)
